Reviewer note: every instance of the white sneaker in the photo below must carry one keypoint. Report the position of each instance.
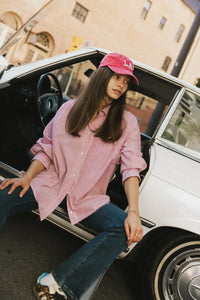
(45, 292)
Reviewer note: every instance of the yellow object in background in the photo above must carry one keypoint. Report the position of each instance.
(75, 44)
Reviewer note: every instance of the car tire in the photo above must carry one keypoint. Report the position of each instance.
(172, 269)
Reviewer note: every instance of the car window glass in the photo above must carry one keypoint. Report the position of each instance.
(184, 126)
(141, 106)
(72, 78)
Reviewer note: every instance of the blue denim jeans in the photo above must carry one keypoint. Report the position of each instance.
(78, 272)
(13, 204)
(85, 266)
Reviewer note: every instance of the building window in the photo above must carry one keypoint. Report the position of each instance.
(162, 22)
(43, 41)
(40, 46)
(179, 33)
(146, 9)
(9, 24)
(11, 20)
(29, 56)
(166, 63)
(5, 33)
(80, 12)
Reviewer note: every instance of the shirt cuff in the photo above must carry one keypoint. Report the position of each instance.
(130, 173)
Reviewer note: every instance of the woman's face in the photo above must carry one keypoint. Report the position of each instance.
(117, 85)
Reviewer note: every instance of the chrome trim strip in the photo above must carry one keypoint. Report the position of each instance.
(62, 214)
(147, 223)
(9, 169)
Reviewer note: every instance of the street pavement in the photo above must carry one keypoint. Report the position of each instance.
(29, 247)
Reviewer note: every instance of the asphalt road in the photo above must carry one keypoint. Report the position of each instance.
(29, 247)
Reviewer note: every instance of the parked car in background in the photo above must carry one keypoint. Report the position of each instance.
(168, 112)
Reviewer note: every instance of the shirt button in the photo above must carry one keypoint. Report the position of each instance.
(70, 212)
(82, 153)
(74, 175)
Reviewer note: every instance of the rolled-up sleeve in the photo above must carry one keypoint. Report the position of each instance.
(132, 162)
(42, 150)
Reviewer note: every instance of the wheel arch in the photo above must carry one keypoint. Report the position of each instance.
(163, 266)
(155, 235)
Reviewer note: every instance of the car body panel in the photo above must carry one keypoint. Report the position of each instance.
(169, 195)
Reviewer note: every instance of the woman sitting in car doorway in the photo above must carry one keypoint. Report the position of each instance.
(74, 161)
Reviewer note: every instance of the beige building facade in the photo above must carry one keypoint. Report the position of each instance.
(151, 32)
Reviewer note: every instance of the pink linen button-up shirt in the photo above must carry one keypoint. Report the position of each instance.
(80, 168)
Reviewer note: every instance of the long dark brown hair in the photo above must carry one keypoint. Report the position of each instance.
(88, 104)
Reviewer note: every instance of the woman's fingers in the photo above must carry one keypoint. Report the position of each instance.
(15, 182)
(135, 236)
(133, 229)
(6, 182)
(138, 235)
(23, 191)
(126, 227)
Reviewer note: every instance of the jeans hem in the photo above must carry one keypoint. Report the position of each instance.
(64, 287)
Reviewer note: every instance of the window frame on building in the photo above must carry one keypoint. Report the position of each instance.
(162, 22)
(9, 24)
(179, 33)
(146, 8)
(5, 33)
(166, 63)
(39, 46)
(80, 12)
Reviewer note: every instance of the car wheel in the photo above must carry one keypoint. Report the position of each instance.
(173, 270)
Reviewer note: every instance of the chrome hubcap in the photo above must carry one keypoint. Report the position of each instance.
(188, 281)
(194, 288)
(181, 277)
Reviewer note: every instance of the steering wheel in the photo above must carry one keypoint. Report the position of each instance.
(48, 100)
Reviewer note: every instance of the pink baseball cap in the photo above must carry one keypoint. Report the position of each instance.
(120, 64)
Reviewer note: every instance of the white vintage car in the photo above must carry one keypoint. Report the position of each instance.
(168, 112)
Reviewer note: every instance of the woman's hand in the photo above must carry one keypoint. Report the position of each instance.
(133, 228)
(23, 182)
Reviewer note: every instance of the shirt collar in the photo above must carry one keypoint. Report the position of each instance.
(105, 110)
